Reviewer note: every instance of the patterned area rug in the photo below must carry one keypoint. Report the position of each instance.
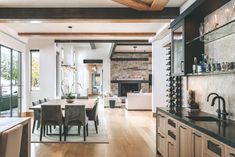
(73, 137)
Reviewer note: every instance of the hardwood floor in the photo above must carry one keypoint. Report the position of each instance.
(131, 134)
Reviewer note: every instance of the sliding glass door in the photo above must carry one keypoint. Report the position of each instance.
(10, 82)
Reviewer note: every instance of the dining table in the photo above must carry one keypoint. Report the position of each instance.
(89, 103)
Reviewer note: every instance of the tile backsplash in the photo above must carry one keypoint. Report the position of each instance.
(222, 50)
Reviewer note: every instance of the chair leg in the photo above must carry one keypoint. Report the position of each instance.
(87, 129)
(65, 132)
(50, 129)
(34, 122)
(84, 132)
(41, 130)
(47, 129)
(44, 130)
(60, 132)
(96, 129)
(38, 124)
(79, 128)
(97, 120)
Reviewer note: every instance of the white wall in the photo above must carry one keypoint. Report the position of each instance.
(47, 69)
(101, 52)
(9, 38)
(159, 72)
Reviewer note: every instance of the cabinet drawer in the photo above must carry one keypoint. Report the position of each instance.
(213, 148)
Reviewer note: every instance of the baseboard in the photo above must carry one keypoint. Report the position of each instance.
(154, 114)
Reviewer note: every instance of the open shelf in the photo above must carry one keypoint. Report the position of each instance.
(211, 73)
(216, 34)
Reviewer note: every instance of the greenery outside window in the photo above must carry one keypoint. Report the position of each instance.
(35, 69)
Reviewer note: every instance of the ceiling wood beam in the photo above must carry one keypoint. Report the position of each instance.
(159, 4)
(84, 13)
(77, 34)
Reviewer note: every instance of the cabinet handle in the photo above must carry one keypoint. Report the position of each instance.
(161, 116)
(231, 155)
(183, 127)
(160, 135)
(170, 143)
(197, 135)
(182, 65)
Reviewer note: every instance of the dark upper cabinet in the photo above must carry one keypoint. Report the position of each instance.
(178, 49)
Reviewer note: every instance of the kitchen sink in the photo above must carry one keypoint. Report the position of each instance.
(203, 118)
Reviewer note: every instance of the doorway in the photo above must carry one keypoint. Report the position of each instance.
(10, 82)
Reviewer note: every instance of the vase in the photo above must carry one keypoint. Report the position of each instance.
(69, 100)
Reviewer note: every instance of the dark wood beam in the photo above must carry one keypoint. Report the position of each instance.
(129, 59)
(84, 13)
(92, 44)
(89, 34)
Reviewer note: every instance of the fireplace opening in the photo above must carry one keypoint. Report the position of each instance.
(124, 88)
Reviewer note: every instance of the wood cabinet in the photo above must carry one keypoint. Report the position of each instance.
(161, 122)
(229, 152)
(176, 139)
(196, 144)
(184, 141)
(171, 148)
(213, 148)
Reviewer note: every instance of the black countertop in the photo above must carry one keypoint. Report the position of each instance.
(223, 131)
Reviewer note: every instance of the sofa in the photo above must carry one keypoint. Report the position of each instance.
(5, 102)
(139, 101)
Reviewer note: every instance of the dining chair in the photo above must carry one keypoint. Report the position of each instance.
(42, 101)
(51, 115)
(76, 115)
(37, 116)
(93, 115)
(11, 142)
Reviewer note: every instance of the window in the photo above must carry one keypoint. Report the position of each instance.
(35, 69)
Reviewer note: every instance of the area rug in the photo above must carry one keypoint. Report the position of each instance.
(73, 137)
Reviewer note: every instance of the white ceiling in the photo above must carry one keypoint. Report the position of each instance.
(72, 3)
(85, 27)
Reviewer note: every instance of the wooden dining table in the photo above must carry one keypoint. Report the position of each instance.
(89, 103)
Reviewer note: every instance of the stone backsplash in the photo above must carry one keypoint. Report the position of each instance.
(222, 50)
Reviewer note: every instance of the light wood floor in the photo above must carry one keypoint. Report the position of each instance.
(131, 134)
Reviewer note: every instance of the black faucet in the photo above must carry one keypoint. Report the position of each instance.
(213, 103)
(224, 112)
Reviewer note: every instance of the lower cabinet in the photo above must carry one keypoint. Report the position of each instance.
(171, 148)
(184, 141)
(197, 144)
(213, 148)
(162, 144)
(230, 152)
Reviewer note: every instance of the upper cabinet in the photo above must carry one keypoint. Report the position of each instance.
(187, 40)
(178, 49)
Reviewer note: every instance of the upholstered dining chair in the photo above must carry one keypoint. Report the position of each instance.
(51, 115)
(11, 142)
(37, 116)
(75, 115)
(93, 115)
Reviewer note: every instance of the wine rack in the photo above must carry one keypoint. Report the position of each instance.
(174, 85)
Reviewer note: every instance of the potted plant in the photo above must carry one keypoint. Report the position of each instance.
(69, 97)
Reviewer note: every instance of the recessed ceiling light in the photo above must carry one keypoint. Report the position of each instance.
(70, 27)
(34, 21)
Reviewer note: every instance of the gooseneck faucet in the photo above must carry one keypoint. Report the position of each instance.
(224, 112)
(213, 103)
